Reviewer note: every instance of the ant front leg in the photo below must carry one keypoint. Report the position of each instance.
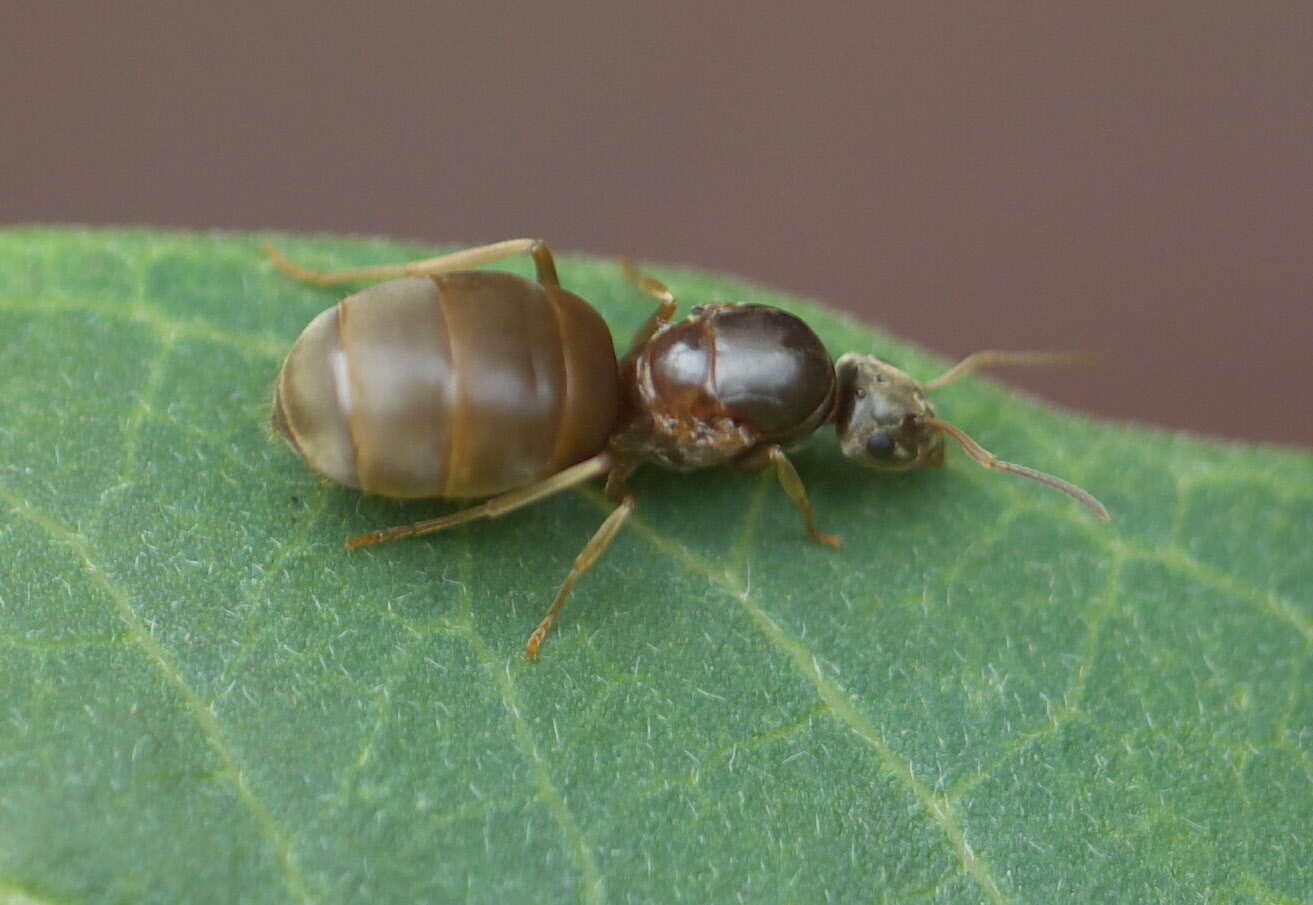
(774, 455)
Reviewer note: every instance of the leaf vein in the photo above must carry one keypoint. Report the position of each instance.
(938, 807)
(594, 884)
(140, 634)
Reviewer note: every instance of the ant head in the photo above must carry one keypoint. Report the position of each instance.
(884, 421)
(879, 416)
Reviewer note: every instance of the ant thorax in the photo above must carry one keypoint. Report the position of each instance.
(725, 380)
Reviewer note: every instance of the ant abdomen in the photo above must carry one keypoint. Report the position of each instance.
(457, 385)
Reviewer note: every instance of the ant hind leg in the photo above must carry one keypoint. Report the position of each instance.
(459, 260)
(573, 476)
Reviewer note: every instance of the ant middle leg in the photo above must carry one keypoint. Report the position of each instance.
(654, 289)
(587, 557)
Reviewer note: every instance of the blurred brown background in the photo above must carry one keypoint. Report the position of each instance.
(1132, 178)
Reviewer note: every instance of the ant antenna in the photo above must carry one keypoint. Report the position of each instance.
(987, 459)
(991, 357)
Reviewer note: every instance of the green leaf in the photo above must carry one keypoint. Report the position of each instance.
(988, 696)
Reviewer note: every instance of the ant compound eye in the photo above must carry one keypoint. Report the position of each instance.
(880, 445)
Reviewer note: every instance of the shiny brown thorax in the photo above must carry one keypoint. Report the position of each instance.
(720, 384)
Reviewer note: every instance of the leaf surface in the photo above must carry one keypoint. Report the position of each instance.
(988, 696)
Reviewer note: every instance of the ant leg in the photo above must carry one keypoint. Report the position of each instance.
(499, 505)
(993, 357)
(589, 555)
(460, 260)
(654, 289)
(792, 484)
